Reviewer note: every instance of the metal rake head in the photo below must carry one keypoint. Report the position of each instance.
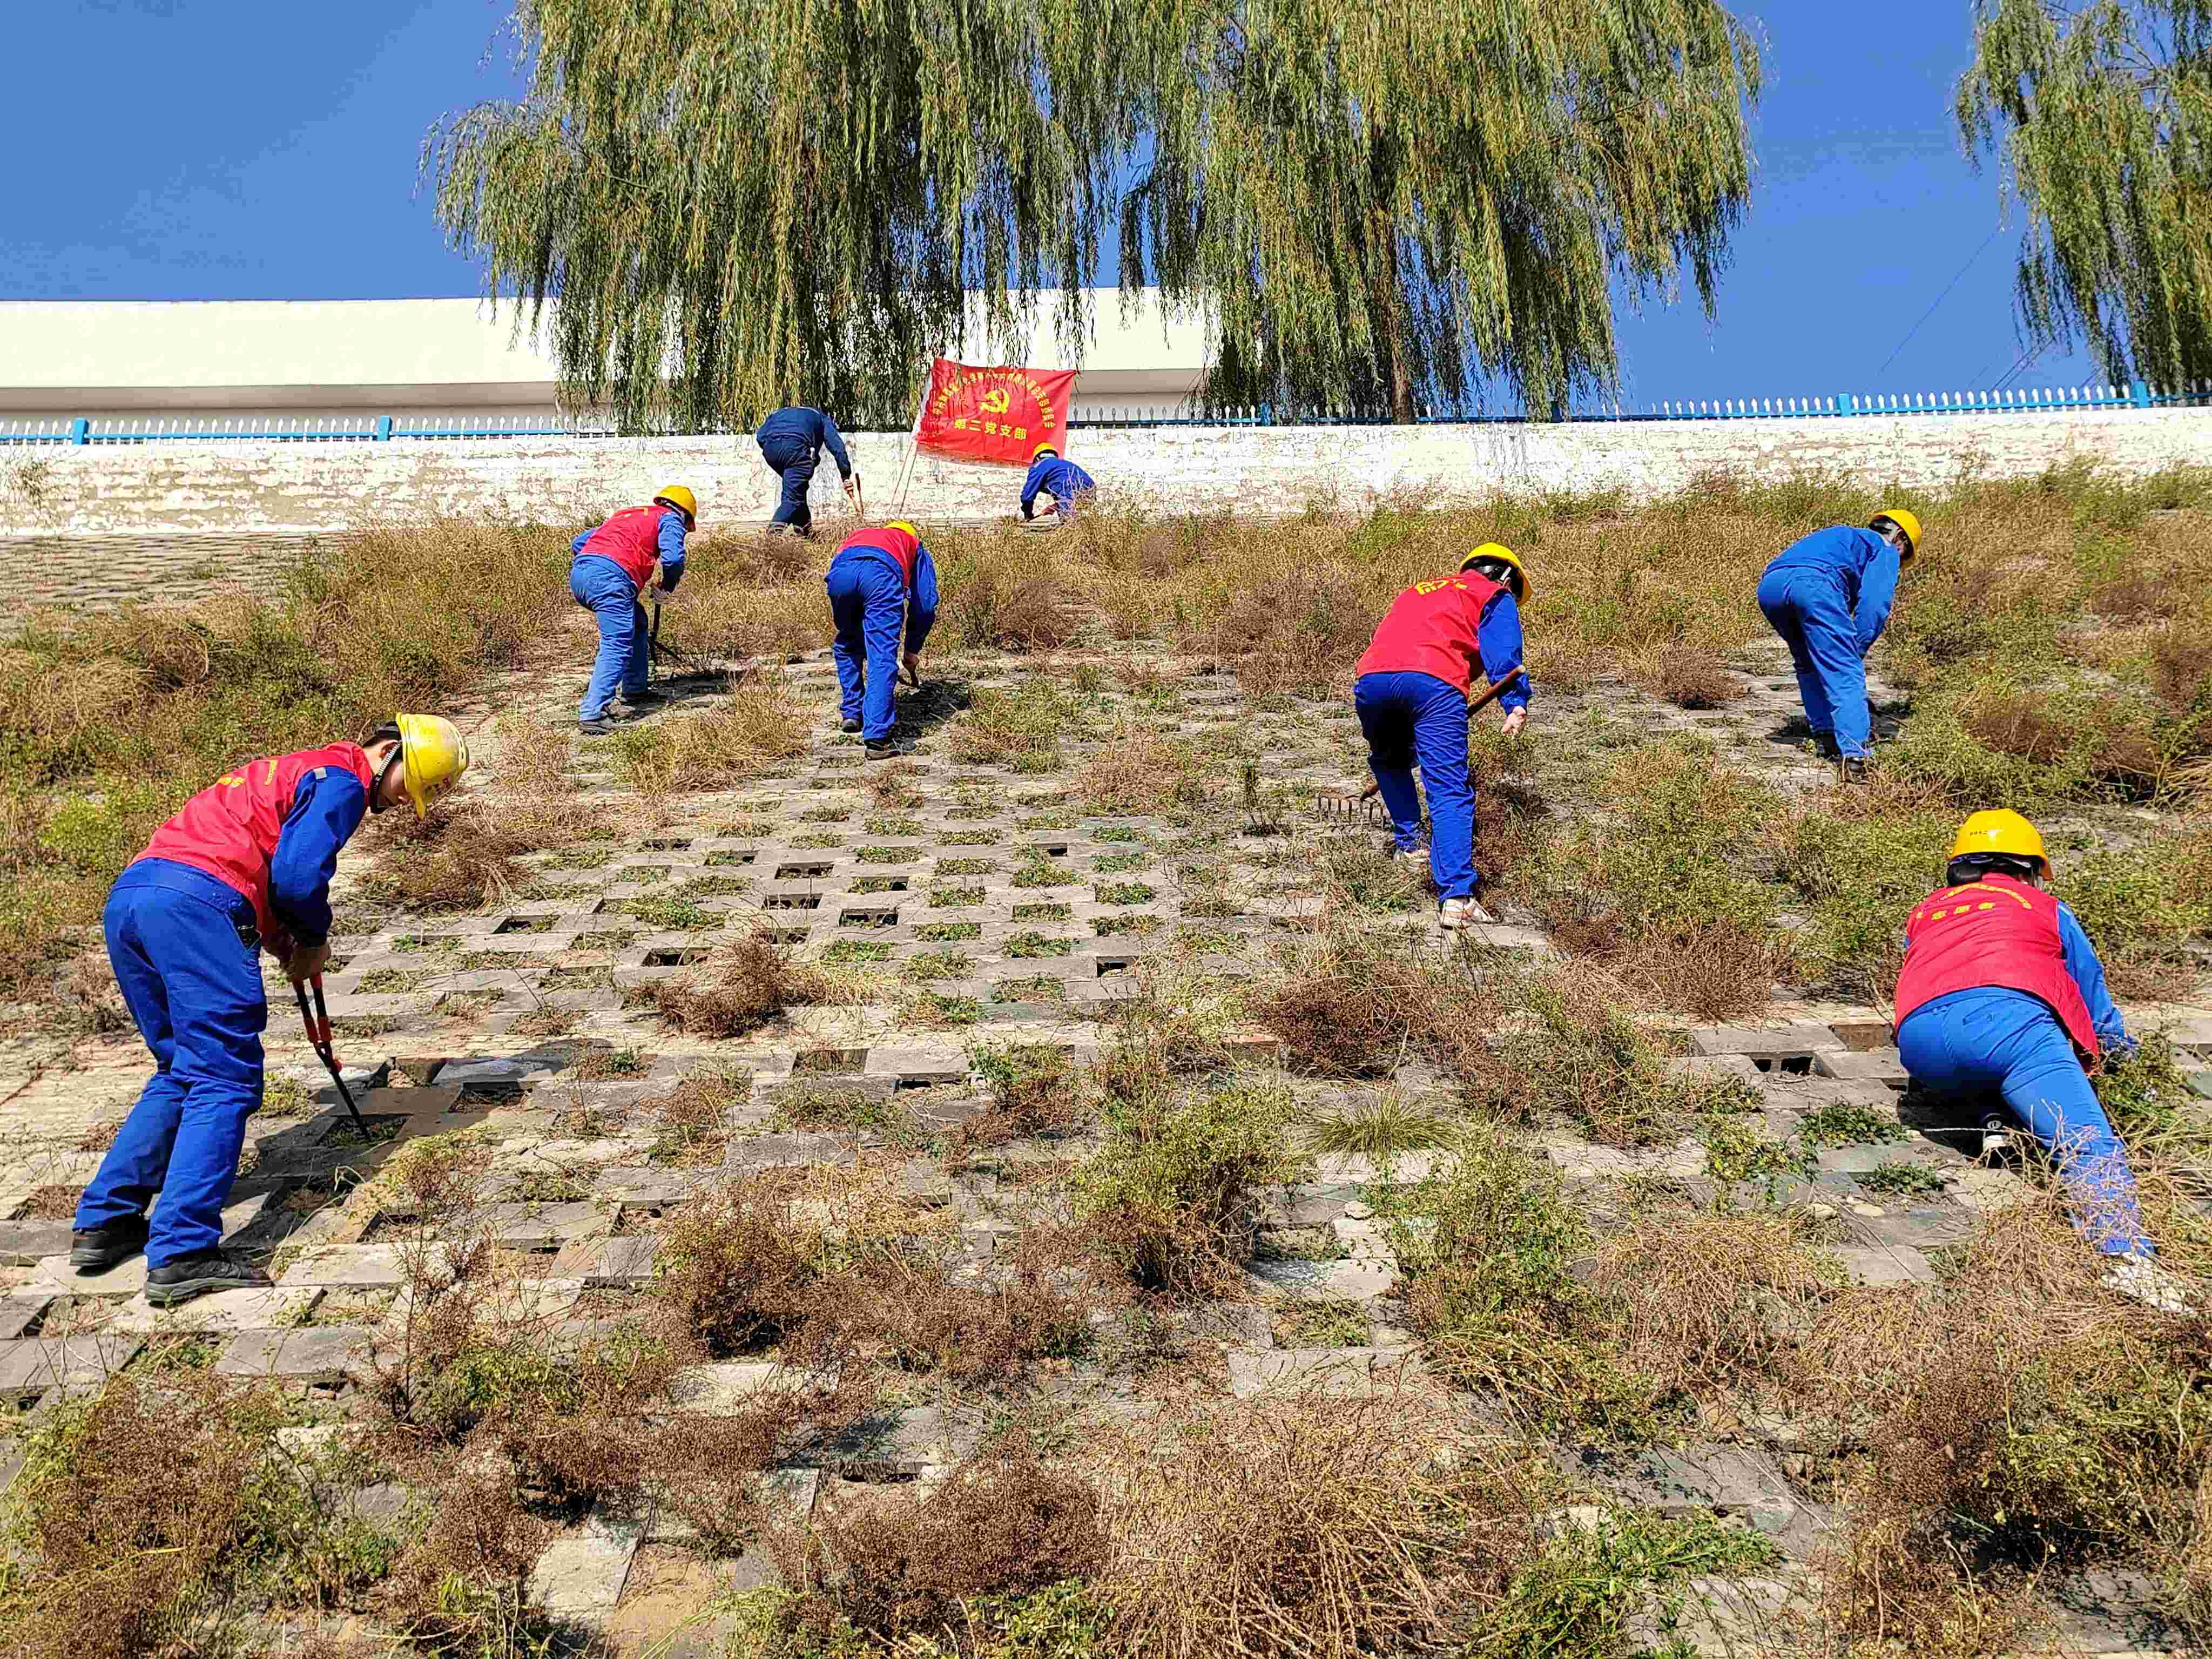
(1349, 809)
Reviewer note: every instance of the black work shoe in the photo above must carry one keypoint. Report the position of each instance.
(189, 1276)
(1853, 768)
(849, 726)
(95, 1249)
(886, 750)
(1825, 746)
(601, 727)
(647, 699)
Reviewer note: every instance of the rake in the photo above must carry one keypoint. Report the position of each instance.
(674, 661)
(1363, 807)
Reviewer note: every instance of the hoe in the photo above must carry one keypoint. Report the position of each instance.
(1352, 809)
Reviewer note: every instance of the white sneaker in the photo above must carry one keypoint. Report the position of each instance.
(1457, 912)
(1996, 1139)
(2143, 1280)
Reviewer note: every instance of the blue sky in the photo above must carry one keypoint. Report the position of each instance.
(247, 150)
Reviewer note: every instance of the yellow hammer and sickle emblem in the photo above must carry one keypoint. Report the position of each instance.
(996, 402)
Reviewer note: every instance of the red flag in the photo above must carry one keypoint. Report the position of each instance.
(993, 414)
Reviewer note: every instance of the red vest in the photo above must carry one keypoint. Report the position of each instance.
(632, 539)
(1431, 630)
(229, 829)
(1993, 932)
(904, 550)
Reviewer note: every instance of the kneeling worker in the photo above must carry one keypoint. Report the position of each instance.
(2002, 992)
(613, 569)
(247, 863)
(1442, 638)
(1068, 484)
(1828, 595)
(881, 582)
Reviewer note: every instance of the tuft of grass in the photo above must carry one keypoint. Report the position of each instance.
(1378, 1127)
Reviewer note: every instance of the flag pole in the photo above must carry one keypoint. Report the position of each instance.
(913, 445)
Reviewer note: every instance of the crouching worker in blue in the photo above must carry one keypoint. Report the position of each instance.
(1442, 640)
(614, 567)
(1829, 596)
(2002, 993)
(1068, 484)
(791, 442)
(881, 583)
(246, 864)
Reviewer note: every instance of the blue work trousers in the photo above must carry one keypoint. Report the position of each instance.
(1808, 609)
(1993, 1040)
(184, 951)
(867, 601)
(794, 460)
(1410, 717)
(603, 588)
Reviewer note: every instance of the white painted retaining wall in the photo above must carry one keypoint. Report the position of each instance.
(244, 486)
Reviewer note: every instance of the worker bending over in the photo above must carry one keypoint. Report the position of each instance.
(792, 441)
(881, 582)
(1068, 484)
(615, 566)
(247, 863)
(2002, 992)
(1828, 595)
(1443, 639)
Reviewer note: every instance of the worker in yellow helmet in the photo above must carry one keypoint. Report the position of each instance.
(1829, 596)
(1065, 486)
(882, 584)
(245, 866)
(638, 551)
(2001, 994)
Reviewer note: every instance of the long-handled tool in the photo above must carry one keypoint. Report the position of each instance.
(317, 1021)
(1349, 807)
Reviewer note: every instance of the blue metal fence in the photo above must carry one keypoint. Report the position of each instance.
(389, 429)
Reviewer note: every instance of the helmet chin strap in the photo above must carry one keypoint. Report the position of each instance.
(398, 757)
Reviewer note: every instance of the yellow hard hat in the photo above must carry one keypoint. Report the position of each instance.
(2000, 829)
(1908, 522)
(682, 501)
(900, 524)
(432, 758)
(1043, 449)
(1498, 550)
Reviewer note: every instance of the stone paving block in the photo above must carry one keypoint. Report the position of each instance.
(1332, 1372)
(218, 1311)
(26, 1243)
(1407, 1168)
(905, 1442)
(1761, 1042)
(785, 1151)
(624, 1263)
(358, 1265)
(718, 1390)
(308, 1354)
(1723, 1619)
(1716, 1068)
(579, 1577)
(1922, 1226)
(1733, 1480)
(1876, 1066)
(1882, 1268)
(2110, 1611)
(540, 1226)
(19, 1313)
(1324, 1281)
(31, 1366)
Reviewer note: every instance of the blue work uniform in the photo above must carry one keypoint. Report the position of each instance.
(1993, 1039)
(792, 441)
(1068, 484)
(881, 582)
(1829, 597)
(184, 945)
(606, 581)
(1412, 696)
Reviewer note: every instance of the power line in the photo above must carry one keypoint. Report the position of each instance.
(1940, 298)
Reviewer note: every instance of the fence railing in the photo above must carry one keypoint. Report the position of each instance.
(461, 424)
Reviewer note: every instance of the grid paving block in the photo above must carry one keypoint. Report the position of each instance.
(26, 1243)
(1324, 1281)
(1356, 1168)
(310, 1354)
(215, 1312)
(1338, 1372)
(1770, 1042)
(1923, 1227)
(904, 1442)
(31, 1366)
(357, 1267)
(1716, 1068)
(786, 1152)
(1725, 1617)
(623, 1264)
(539, 1226)
(1885, 1266)
(579, 1577)
(721, 1389)
(19, 1313)
(518, 1069)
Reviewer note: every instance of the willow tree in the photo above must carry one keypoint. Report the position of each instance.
(1380, 204)
(2102, 114)
(741, 203)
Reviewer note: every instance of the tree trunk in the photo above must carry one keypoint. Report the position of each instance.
(1387, 299)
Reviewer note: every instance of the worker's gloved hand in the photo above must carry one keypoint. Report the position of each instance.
(1515, 721)
(308, 962)
(853, 486)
